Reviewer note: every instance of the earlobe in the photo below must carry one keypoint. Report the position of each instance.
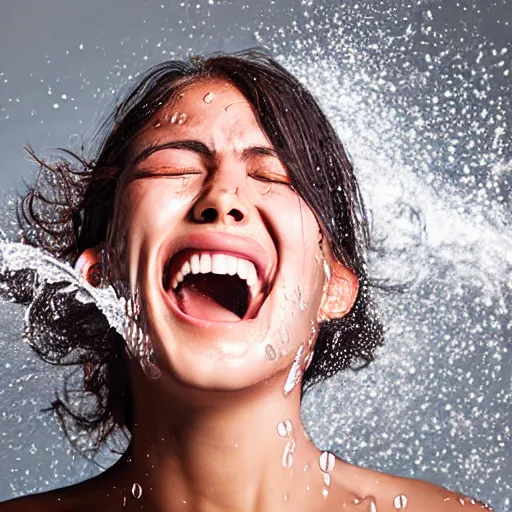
(89, 266)
(340, 293)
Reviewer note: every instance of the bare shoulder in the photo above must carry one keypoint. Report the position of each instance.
(392, 493)
(422, 496)
(82, 497)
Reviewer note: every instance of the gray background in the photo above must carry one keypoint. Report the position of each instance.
(436, 404)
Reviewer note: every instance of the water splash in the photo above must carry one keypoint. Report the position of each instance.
(16, 258)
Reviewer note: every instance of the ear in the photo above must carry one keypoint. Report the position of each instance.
(340, 292)
(89, 266)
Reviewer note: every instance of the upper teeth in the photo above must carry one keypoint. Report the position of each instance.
(205, 263)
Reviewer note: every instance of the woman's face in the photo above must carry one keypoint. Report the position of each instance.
(225, 255)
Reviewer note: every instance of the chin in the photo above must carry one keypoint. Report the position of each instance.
(211, 325)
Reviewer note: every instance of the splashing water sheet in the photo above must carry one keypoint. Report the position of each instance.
(420, 95)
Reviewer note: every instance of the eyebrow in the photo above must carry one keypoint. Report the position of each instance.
(195, 146)
(201, 148)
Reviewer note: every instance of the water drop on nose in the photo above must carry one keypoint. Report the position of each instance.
(136, 491)
(400, 502)
(270, 353)
(327, 461)
(208, 98)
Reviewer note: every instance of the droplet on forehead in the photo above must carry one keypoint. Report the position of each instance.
(136, 491)
(208, 98)
(270, 353)
(400, 502)
(327, 461)
(179, 118)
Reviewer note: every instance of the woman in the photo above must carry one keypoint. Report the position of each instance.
(223, 207)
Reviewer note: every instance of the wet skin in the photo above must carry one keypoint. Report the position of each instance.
(209, 434)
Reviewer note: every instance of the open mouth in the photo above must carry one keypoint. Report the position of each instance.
(214, 286)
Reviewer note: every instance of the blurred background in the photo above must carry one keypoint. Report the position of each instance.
(421, 95)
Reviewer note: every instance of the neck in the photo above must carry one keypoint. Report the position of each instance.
(223, 451)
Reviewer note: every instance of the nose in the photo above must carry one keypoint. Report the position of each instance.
(222, 202)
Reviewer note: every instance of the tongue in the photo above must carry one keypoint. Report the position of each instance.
(196, 304)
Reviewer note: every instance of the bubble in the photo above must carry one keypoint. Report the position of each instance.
(400, 502)
(136, 491)
(327, 462)
(270, 353)
(208, 98)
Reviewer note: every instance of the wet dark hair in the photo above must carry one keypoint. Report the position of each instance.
(72, 203)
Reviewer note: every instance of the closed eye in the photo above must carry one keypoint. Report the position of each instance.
(271, 177)
(161, 172)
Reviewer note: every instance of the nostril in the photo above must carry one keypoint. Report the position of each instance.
(236, 214)
(209, 215)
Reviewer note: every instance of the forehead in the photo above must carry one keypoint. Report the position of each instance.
(214, 111)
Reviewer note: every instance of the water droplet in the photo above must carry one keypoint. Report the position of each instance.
(208, 98)
(136, 491)
(285, 497)
(327, 461)
(366, 504)
(285, 428)
(295, 372)
(157, 124)
(327, 479)
(179, 118)
(462, 501)
(400, 502)
(150, 370)
(270, 353)
(289, 449)
(325, 493)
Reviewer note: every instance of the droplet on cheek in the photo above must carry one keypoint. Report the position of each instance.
(136, 491)
(208, 98)
(270, 353)
(295, 372)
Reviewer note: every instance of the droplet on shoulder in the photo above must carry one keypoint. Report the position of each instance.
(400, 502)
